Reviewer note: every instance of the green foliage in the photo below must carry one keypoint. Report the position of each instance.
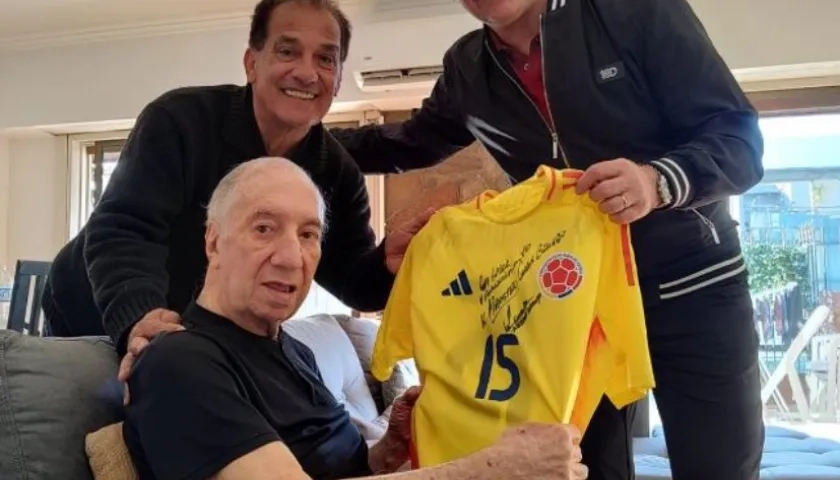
(773, 266)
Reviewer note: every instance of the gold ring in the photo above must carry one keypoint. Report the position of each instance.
(624, 200)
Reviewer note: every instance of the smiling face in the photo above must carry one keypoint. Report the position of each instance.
(265, 246)
(296, 72)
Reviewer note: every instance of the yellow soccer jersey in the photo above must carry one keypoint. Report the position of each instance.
(519, 306)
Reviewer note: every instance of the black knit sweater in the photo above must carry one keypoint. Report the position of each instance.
(143, 247)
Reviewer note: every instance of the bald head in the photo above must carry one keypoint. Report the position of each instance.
(236, 181)
(265, 224)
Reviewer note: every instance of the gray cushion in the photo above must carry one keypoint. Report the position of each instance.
(52, 393)
(340, 368)
(404, 376)
(362, 333)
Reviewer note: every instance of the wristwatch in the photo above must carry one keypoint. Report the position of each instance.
(664, 190)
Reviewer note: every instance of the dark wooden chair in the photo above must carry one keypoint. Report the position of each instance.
(25, 313)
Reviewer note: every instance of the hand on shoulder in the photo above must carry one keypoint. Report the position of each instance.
(153, 323)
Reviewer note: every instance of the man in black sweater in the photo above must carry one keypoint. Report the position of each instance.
(140, 259)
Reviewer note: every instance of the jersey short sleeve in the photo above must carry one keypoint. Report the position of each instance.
(621, 315)
(187, 418)
(394, 341)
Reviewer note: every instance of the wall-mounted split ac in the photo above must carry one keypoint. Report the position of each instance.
(373, 81)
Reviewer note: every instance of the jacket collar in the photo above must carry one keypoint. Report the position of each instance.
(479, 46)
(245, 141)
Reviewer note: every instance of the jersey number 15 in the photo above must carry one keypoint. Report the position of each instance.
(494, 355)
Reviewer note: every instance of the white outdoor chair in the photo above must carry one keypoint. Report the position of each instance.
(822, 376)
(787, 367)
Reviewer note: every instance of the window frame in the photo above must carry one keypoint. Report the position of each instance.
(778, 101)
(375, 183)
(78, 178)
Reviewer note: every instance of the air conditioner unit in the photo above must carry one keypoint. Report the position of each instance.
(398, 79)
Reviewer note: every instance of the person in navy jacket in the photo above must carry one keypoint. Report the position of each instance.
(635, 94)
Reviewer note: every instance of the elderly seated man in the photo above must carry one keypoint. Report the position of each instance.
(234, 398)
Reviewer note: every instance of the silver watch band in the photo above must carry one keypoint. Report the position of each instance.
(664, 190)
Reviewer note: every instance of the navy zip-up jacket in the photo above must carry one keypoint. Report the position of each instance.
(638, 80)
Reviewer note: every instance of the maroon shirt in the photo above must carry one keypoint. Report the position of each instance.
(528, 69)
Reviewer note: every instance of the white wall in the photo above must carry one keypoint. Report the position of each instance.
(36, 213)
(112, 80)
(4, 198)
(762, 33)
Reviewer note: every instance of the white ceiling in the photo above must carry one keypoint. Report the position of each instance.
(40, 19)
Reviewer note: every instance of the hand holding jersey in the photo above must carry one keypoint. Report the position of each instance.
(623, 189)
(582, 82)
(517, 307)
(532, 451)
(397, 241)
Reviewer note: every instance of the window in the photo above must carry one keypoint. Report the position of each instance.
(93, 158)
(102, 158)
(790, 231)
(789, 226)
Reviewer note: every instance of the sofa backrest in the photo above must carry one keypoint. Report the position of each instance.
(339, 364)
(53, 391)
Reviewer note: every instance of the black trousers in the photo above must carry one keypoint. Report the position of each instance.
(704, 351)
(53, 316)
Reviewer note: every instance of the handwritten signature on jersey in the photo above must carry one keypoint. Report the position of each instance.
(511, 272)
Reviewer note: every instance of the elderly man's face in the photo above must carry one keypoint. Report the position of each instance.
(268, 247)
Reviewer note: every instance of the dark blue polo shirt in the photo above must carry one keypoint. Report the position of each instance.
(202, 398)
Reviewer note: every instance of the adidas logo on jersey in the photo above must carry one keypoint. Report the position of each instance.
(459, 286)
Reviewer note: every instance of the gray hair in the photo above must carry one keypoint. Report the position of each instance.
(225, 192)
